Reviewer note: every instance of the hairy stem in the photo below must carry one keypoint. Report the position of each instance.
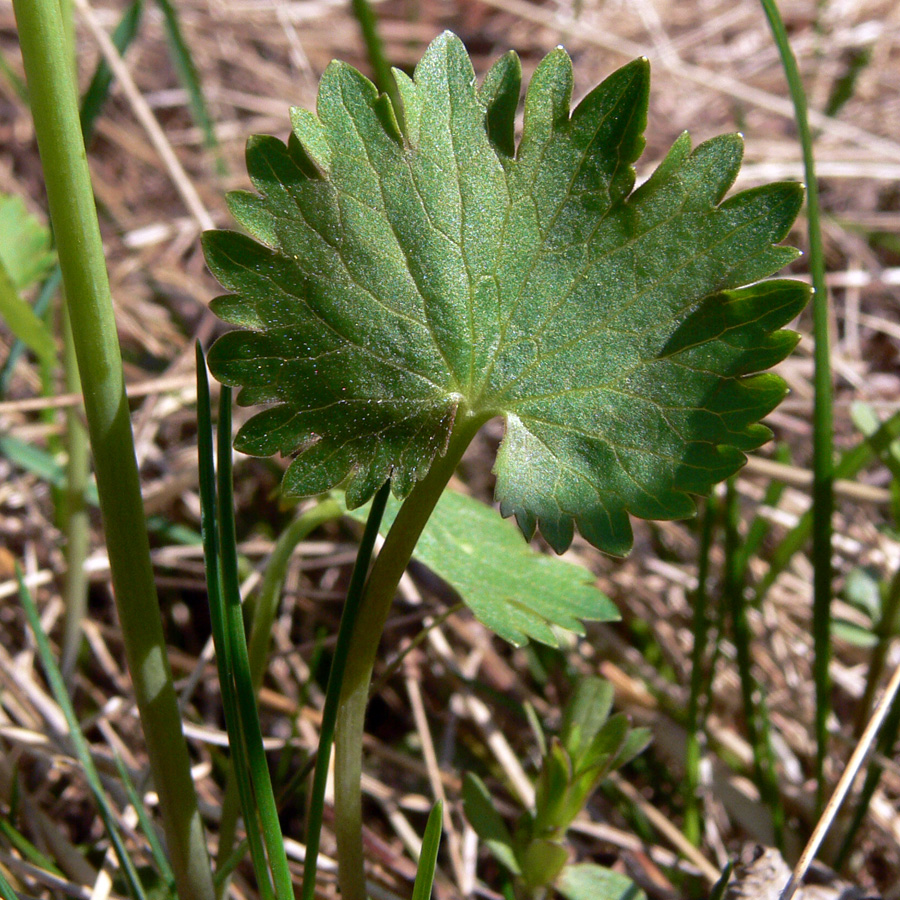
(73, 213)
(379, 594)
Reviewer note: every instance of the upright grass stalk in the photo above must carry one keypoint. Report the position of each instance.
(823, 461)
(79, 743)
(262, 614)
(381, 69)
(239, 662)
(755, 710)
(851, 463)
(210, 529)
(379, 593)
(55, 110)
(698, 679)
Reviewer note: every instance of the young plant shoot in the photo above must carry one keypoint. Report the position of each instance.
(412, 272)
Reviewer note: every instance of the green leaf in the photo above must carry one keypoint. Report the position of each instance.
(21, 320)
(406, 284)
(26, 249)
(26, 256)
(542, 861)
(518, 593)
(590, 882)
(584, 716)
(552, 799)
(484, 818)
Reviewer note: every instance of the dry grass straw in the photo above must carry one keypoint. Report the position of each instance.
(715, 69)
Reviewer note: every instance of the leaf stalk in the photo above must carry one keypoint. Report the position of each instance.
(379, 593)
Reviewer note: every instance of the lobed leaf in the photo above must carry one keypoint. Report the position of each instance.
(405, 279)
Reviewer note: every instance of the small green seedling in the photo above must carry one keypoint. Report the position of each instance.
(412, 272)
(591, 744)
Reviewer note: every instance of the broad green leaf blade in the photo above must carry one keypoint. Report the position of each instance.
(401, 284)
(518, 593)
(591, 882)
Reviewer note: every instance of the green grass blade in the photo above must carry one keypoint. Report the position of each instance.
(240, 662)
(6, 890)
(209, 528)
(755, 713)
(761, 525)
(884, 749)
(851, 463)
(263, 615)
(335, 683)
(887, 629)
(266, 604)
(719, 888)
(40, 463)
(187, 74)
(79, 744)
(26, 849)
(431, 843)
(692, 828)
(823, 460)
(381, 69)
(101, 82)
(156, 847)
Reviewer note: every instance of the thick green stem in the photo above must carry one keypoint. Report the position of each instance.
(382, 585)
(73, 213)
(77, 524)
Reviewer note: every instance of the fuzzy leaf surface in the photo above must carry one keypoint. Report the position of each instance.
(404, 278)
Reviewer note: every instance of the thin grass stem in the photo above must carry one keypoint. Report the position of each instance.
(823, 459)
(851, 463)
(887, 629)
(887, 702)
(156, 848)
(755, 713)
(79, 743)
(263, 617)
(887, 738)
(381, 69)
(209, 529)
(76, 518)
(240, 663)
(692, 830)
(187, 75)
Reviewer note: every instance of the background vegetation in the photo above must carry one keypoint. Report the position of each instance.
(457, 700)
